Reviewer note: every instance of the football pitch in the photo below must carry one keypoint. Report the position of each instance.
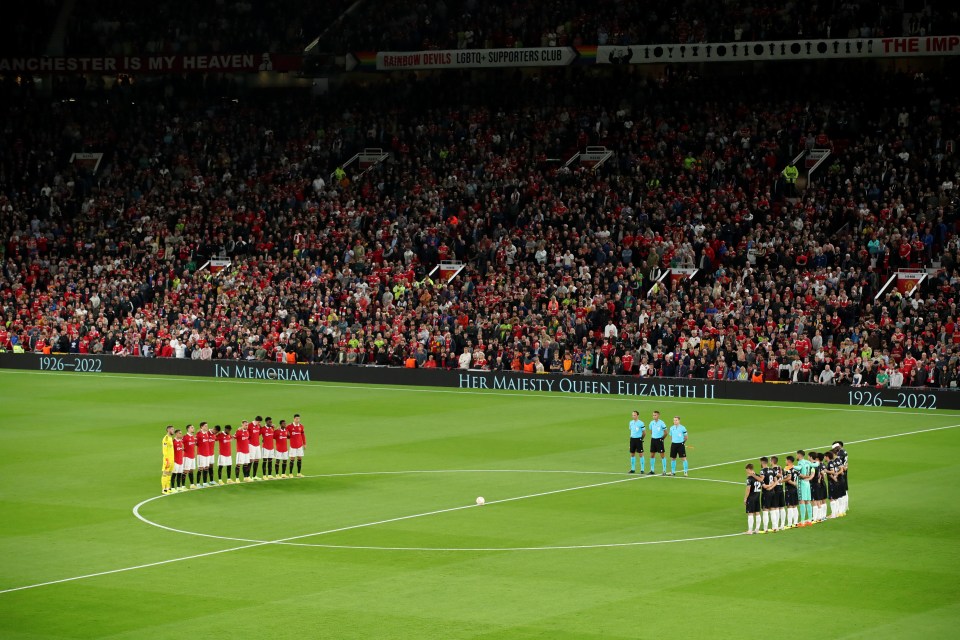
(383, 538)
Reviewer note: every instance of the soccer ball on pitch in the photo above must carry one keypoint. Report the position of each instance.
(480, 501)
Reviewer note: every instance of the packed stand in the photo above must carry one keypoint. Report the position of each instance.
(559, 260)
(27, 27)
(213, 26)
(465, 24)
(117, 27)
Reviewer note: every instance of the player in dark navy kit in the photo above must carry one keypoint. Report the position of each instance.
(841, 454)
(768, 499)
(781, 503)
(751, 499)
(842, 476)
(834, 484)
(818, 491)
(791, 494)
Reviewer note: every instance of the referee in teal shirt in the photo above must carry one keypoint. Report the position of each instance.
(678, 445)
(658, 430)
(636, 442)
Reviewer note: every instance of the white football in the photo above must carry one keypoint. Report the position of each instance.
(480, 500)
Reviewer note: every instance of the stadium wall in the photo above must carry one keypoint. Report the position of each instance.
(913, 398)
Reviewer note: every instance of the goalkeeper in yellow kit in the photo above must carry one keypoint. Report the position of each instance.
(167, 446)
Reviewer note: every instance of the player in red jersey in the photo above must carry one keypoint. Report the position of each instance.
(242, 436)
(190, 454)
(205, 442)
(255, 451)
(267, 448)
(177, 478)
(298, 442)
(280, 439)
(225, 456)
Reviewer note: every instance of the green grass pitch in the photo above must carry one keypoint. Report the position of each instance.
(381, 540)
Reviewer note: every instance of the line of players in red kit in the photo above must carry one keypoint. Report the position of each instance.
(279, 447)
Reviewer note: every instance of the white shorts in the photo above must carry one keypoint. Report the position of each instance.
(224, 461)
(283, 455)
(296, 453)
(243, 458)
(268, 453)
(205, 461)
(177, 468)
(255, 453)
(189, 464)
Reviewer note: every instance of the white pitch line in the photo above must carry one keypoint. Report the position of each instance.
(252, 544)
(606, 545)
(541, 395)
(289, 541)
(139, 516)
(388, 473)
(136, 509)
(370, 524)
(259, 543)
(827, 446)
(739, 484)
(140, 566)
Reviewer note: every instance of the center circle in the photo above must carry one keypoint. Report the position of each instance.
(490, 503)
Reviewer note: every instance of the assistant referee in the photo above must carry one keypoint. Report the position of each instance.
(678, 445)
(636, 441)
(658, 431)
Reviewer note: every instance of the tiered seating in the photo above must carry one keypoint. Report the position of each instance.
(560, 261)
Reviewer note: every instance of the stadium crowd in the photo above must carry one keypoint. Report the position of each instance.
(459, 24)
(27, 27)
(116, 27)
(123, 28)
(331, 265)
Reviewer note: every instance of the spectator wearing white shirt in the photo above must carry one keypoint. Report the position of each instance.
(610, 331)
(896, 378)
(827, 375)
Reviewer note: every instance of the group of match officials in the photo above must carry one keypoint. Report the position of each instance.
(797, 494)
(186, 452)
